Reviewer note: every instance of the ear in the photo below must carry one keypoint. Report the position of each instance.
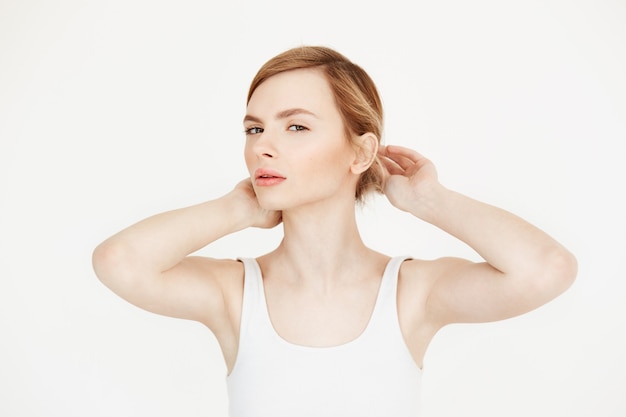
(365, 152)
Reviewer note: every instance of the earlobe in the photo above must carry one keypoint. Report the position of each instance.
(366, 151)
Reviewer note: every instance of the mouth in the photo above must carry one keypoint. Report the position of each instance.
(266, 177)
(263, 173)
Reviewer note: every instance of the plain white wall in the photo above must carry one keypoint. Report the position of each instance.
(111, 111)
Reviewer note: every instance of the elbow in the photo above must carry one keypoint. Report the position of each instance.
(559, 271)
(108, 261)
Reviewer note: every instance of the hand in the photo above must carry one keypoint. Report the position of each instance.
(258, 216)
(408, 176)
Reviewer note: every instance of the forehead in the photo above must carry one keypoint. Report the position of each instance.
(302, 88)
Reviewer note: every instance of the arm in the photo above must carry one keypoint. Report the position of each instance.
(148, 265)
(524, 267)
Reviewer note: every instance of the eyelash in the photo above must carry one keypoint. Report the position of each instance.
(256, 130)
(249, 131)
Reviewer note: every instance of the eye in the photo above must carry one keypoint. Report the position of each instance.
(253, 130)
(297, 128)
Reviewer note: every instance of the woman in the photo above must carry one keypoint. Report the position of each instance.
(322, 325)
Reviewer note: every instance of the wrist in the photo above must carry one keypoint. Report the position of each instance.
(236, 210)
(430, 202)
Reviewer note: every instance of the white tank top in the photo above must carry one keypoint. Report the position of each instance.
(374, 375)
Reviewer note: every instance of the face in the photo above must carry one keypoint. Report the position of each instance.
(296, 150)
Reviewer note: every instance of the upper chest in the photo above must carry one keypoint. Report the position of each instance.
(313, 318)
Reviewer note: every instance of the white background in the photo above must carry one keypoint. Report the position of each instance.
(111, 111)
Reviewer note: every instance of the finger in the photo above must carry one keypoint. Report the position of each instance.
(400, 160)
(392, 167)
(405, 157)
(394, 150)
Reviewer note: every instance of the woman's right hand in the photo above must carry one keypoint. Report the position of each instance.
(259, 217)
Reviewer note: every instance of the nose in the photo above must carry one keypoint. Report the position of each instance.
(263, 145)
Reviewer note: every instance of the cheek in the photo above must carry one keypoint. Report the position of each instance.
(248, 156)
(340, 158)
(333, 163)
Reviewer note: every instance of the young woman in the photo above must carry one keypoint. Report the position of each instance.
(322, 325)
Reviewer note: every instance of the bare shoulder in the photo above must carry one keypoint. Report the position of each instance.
(418, 275)
(222, 280)
(222, 271)
(416, 280)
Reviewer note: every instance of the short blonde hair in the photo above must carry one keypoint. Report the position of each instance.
(355, 94)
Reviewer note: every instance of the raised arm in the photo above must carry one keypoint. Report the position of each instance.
(148, 264)
(523, 269)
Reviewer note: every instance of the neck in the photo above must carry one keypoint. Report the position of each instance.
(321, 246)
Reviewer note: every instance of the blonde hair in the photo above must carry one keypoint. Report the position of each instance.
(354, 91)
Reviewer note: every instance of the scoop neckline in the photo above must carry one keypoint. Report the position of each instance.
(343, 345)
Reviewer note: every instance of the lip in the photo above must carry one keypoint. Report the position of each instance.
(267, 177)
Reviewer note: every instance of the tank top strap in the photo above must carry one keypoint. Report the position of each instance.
(253, 310)
(386, 310)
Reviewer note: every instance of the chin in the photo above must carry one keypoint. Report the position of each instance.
(271, 199)
(281, 203)
(273, 204)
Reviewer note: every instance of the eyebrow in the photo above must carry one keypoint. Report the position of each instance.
(281, 115)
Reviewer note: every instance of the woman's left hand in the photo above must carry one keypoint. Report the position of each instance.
(408, 175)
